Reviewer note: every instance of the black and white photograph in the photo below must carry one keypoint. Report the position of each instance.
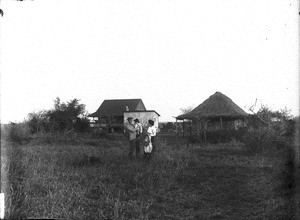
(150, 109)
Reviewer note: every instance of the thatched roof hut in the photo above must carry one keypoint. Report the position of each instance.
(217, 105)
(217, 113)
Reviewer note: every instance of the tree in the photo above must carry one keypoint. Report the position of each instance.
(65, 116)
(38, 121)
(169, 126)
(267, 127)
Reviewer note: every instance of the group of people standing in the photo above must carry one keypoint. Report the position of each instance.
(137, 134)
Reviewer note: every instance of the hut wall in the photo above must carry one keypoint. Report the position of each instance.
(227, 124)
(215, 125)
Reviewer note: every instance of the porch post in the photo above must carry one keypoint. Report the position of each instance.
(176, 125)
(183, 128)
(221, 123)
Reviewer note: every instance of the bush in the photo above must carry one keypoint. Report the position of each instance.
(38, 122)
(219, 136)
(63, 117)
(266, 140)
(17, 133)
(82, 125)
(269, 131)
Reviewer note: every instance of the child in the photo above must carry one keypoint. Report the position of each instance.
(147, 147)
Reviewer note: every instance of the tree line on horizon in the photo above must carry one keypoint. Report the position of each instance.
(265, 125)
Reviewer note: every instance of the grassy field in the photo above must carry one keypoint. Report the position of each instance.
(94, 179)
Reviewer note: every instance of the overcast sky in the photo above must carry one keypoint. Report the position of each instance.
(170, 53)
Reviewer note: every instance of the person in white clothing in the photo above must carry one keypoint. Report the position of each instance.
(147, 147)
(152, 133)
(138, 125)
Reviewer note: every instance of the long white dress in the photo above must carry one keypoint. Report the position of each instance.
(148, 145)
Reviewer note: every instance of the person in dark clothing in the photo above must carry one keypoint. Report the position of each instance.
(139, 130)
(131, 131)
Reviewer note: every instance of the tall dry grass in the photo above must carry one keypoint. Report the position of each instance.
(74, 177)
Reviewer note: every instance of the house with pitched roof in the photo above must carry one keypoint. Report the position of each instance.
(112, 114)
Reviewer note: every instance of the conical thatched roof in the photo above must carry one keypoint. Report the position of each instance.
(217, 105)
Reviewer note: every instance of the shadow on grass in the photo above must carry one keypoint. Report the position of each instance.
(86, 161)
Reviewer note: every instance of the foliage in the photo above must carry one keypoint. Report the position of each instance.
(280, 121)
(268, 129)
(63, 117)
(38, 122)
(17, 133)
(167, 127)
(220, 136)
(82, 124)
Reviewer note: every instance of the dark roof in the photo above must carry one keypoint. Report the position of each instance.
(116, 107)
(217, 105)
